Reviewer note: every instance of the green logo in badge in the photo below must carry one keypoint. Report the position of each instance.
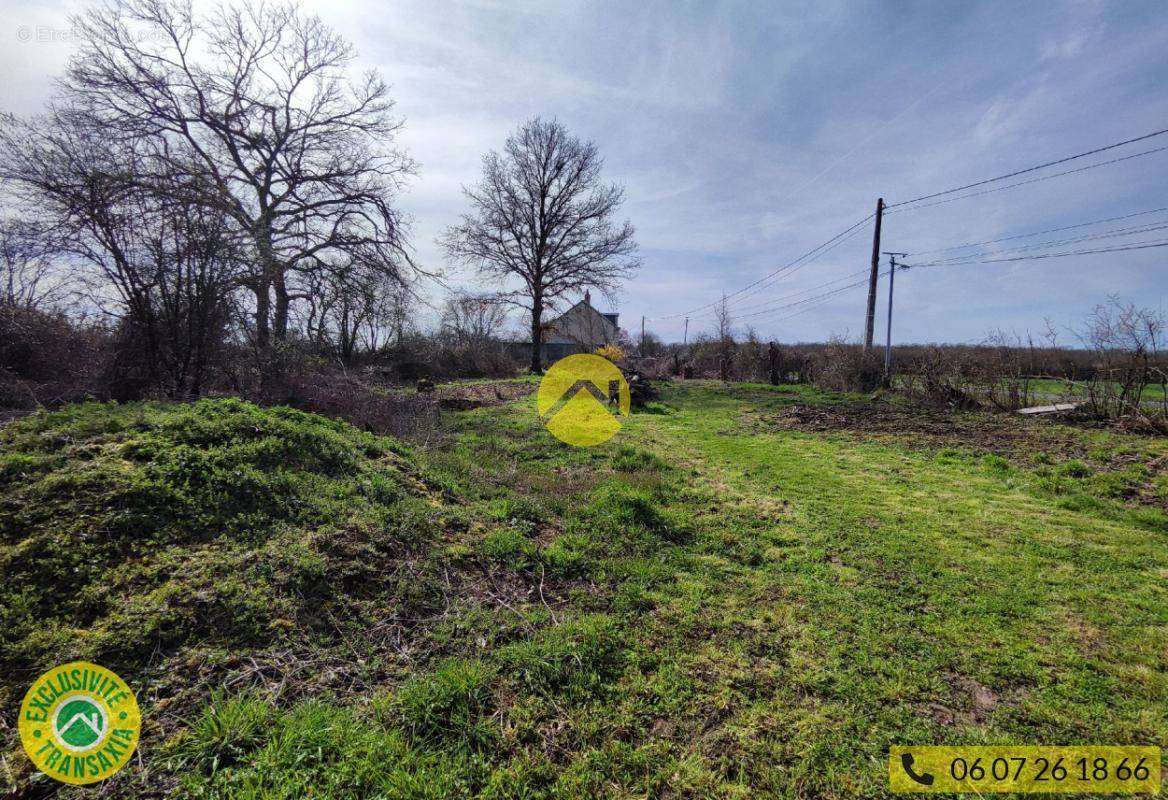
(79, 723)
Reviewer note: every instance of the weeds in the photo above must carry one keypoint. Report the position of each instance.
(704, 609)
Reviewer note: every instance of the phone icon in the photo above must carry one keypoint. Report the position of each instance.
(906, 761)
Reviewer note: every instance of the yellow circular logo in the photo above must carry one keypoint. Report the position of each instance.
(79, 723)
(582, 399)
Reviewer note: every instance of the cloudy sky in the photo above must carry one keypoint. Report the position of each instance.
(746, 134)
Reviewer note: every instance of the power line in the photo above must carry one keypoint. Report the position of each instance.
(768, 303)
(826, 297)
(1112, 234)
(1040, 233)
(834, 241)
(767, 307)
(810, 254)
(819, 304)
(811, 260)
(832, 293)
(1031, 169)
(821, 300)
(1137, 246)
(710, 313)
(788, 274)
(1032, 180)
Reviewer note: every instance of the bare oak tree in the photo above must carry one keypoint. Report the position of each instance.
(254, 101)
(541, 215)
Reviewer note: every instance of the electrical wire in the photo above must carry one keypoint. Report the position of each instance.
(1032, 180)
(826, 297)
(1135, 246)
(1030, 169)
(793, 270)
(804, 301)
(1116, 233)
(1040, 233)
(834, 241)
(820, 304)
(767, 303)
(810, 254)
(823, 299)
(768, 308)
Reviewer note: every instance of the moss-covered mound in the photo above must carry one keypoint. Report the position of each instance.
(126, 530)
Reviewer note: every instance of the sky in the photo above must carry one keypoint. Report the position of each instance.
(747, 133)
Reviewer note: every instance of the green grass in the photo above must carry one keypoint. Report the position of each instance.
(1053, 387)
(702, 607)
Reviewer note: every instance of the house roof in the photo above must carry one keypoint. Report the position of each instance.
(583, 323)
(609, 318)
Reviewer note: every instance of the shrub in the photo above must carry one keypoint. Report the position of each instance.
(46, 360)
(611, 352)
(843, 367)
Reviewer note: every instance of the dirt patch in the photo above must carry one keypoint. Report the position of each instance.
(460, 397)
(1010, 436)
(971, 703)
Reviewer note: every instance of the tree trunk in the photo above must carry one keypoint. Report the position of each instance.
(536, 337)
(280, 317)
(269, 276)
(263, 311)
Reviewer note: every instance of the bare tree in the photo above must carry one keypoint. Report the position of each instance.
(472, 320)
(170, 264)
(27, 277)
(254, 102)
(724, 333)
(352, 309)
(541, 215)
(1127, 342)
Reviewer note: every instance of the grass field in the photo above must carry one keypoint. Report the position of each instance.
(745, 594)
(1055, 388)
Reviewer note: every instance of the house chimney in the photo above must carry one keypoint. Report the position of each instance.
(587, 297)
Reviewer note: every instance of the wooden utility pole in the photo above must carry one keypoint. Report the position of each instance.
(870, 319)
(888, 332)
(685, 336)
(642, 336)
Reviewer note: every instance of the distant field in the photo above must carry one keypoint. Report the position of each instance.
(1052, 387)
(750, 592)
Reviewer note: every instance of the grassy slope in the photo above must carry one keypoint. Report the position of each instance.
(696, 609)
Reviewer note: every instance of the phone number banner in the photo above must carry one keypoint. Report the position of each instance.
(1025, 768)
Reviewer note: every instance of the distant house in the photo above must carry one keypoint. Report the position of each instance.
(580, 329)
